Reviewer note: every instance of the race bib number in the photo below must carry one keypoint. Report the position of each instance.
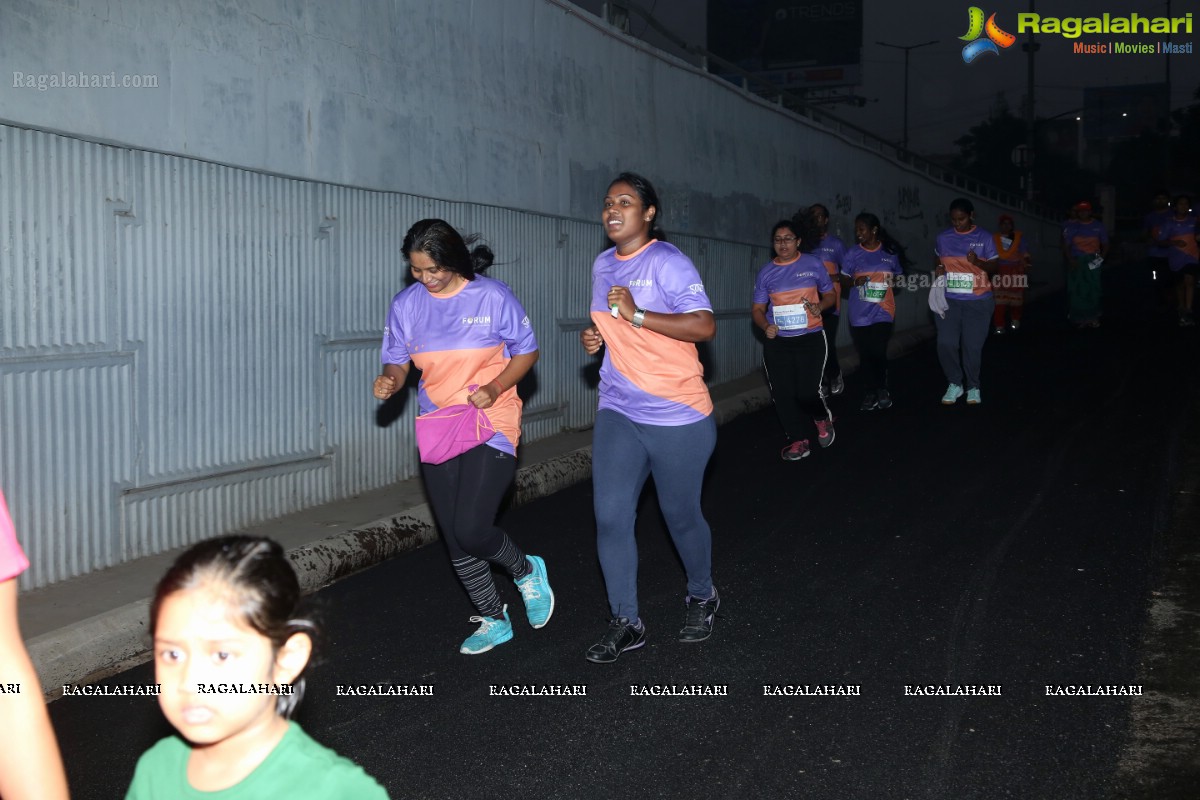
(960, 282)
(791, 317)
(1096, 262)
(873, 291)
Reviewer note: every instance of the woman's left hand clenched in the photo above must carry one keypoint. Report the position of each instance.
(621, 297)
(485, 396)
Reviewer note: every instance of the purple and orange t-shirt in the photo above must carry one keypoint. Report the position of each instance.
(964, 280)
(874, 301)
(650, 378)
(458, 340)
(1085, 238)
(12, 559)
(1183, 230)
(785, 288)
(831, 250)
(1152, 222)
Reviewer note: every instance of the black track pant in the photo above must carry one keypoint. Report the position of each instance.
(871, 342)
(794, 365)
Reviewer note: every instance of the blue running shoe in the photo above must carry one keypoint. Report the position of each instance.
(492, 631)
(973, 397)
(539, 597)
(953, 392)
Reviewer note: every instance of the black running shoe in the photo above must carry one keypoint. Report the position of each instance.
(621, 636)
(698, 619)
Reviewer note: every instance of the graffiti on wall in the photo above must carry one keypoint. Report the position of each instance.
(908, 201)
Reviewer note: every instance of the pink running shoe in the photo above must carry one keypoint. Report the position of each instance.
(795, 451)
(825, 432)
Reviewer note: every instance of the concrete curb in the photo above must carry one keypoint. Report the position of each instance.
(92, 649)
(547, 477)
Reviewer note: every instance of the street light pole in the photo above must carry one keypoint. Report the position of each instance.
(1030, 47)
(906, 49)
(1167, 129)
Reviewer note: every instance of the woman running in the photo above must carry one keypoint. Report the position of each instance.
(1085, 246)
(871, 269)
(792, 292)
(1178, 236)
(655, 417)
(1011, 281)
(473, 343)
(965, 256)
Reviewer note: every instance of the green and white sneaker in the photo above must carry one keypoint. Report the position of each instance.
(953, 392)
(492, 631)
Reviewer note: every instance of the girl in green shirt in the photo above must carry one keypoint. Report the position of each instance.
(229, 653)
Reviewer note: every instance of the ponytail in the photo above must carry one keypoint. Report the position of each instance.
(482, 256)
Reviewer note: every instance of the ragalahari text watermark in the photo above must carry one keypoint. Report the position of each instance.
(45, 81)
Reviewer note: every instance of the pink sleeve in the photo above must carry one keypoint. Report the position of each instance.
(12, 559)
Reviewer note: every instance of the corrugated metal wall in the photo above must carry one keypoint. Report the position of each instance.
(187, 349)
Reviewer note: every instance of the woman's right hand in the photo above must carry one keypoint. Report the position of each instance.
(385, 387)
(771, 331)
(592, 340)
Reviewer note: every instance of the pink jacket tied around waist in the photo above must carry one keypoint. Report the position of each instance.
(452, 431)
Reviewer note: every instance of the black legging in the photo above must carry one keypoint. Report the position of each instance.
(871, 342)
(465, 493)
(830, 322)
(794, 366)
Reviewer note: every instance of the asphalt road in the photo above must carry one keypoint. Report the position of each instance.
(1014, 545)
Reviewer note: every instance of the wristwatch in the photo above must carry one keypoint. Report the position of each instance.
(639, 317)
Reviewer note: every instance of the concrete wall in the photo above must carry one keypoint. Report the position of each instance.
(525, 104)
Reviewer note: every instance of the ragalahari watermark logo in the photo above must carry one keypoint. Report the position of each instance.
(1111, 26)
(996, 40)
